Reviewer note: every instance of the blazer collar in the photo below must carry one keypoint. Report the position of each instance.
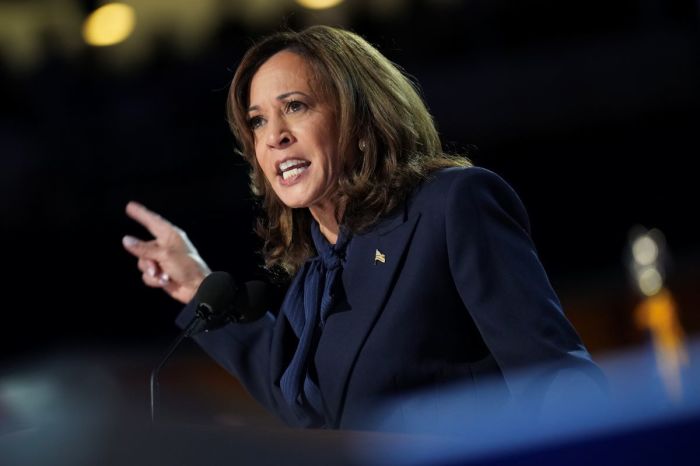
(368, 282)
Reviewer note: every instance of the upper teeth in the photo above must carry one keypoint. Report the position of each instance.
(290, 163)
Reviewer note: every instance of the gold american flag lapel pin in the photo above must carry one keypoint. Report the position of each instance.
(379, 257)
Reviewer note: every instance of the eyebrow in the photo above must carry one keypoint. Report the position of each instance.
(279, 97)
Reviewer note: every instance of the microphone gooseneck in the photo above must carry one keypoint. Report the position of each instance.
(218, 301)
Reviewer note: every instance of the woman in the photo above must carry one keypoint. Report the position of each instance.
(410, 268)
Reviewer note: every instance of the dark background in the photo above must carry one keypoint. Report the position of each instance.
(588, 108)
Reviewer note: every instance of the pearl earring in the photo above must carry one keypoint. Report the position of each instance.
(362, 144)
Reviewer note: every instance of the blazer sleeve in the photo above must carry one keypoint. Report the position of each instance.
(503, 285)
(242, 349)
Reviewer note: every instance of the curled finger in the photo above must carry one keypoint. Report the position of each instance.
(152, 281)
(149, 267)
(164, 279)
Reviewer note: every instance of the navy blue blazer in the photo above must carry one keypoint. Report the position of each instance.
(460, 297)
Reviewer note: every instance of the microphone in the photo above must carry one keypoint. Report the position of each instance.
(219, 301)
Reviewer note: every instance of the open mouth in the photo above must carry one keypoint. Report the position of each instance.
(292, 168)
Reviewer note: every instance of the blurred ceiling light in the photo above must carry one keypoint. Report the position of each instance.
(645, 250)
(109, 25)
(650, 281)
(319, 4)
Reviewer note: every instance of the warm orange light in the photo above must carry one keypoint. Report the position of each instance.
(658, 314)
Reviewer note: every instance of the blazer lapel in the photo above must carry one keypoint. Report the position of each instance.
(373, 261)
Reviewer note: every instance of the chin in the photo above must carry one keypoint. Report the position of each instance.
(297, 200)
(295, 205)
(293, 202)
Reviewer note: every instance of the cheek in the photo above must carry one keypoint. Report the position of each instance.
(332, 151)
(261, 161)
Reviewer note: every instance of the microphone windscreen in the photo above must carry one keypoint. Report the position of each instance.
(218, 291)
(253, 300)
(225, 301)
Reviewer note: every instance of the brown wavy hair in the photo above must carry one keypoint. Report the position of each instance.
(374, 101)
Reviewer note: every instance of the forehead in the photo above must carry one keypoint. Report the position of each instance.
(283, 72)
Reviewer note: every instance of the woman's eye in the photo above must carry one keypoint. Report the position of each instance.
(295, 106)
(255, 122)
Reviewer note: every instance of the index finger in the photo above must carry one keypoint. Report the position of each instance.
(154, 223)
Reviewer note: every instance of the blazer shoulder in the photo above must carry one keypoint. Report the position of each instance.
(448, 183)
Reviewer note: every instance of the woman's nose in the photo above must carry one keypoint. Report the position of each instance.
(279, 136)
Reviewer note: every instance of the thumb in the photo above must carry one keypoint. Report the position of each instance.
(140, 249)
(130, 243)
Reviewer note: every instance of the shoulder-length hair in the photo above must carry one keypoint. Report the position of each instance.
(374, 102)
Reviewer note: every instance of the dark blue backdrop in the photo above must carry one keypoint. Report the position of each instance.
(588, 108)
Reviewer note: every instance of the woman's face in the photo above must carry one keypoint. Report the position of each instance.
(295, 132)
